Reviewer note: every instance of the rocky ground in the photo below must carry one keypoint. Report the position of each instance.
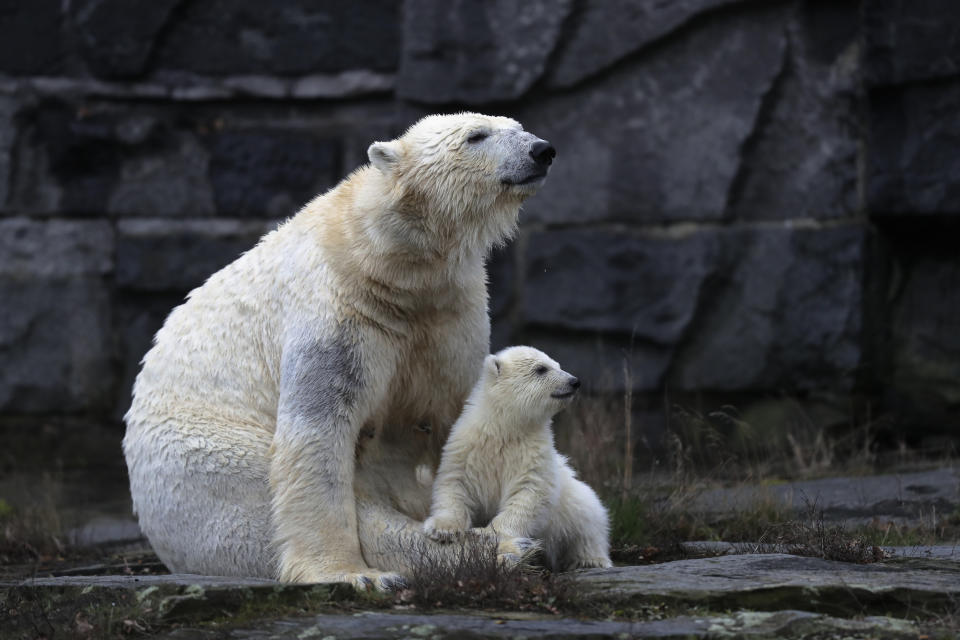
(732, 590)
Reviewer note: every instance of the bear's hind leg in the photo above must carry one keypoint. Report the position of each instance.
(578, 533)
(203, 506)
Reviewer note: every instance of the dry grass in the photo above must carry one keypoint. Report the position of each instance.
(811, 536)
(476, 578)
(32, 531)
(654, 511)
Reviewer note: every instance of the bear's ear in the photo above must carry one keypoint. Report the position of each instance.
(384, 156)
(492, 364)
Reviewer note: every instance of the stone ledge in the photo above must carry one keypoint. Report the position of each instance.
(700, 547)
(771, 582)
(189, 87)
(196, 600)
(902, 495)
(741, 624)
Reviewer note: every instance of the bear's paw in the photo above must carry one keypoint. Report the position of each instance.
(514, 551)
(598, 562)
(440, 529)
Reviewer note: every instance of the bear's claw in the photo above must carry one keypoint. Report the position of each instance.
(367, 581)
(375, 580)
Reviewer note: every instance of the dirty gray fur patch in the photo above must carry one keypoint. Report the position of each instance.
(321, 378)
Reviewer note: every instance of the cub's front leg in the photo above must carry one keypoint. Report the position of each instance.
(450, 515)
(324, 399)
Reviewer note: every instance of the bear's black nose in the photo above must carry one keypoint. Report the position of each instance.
(575, 383)
(543, 152)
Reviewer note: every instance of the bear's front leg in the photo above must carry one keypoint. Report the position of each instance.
(450, 509)
(312, 465)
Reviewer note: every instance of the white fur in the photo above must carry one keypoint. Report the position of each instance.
(279, 420)
(500, 466)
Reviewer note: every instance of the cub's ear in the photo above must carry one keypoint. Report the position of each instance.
(384, 156)
(492, 365)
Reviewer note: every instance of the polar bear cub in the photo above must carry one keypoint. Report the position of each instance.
(500, 466)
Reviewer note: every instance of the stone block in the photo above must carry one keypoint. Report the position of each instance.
(97, 159)
(501, 279)
(607, 363)
(116, 37)
(139, 319)
(785, 315)
(177, 256)
(55, 250)
(477, 51)
(56, 332)
(270, 173)
(681, 119)
(31, 41)
(641, 284)
(914, 150)
(802, 160)
(224, 37)
(501, 273)
(604, 33)
(69, 160)
(712, 309)
(910, 41)
(166, 179)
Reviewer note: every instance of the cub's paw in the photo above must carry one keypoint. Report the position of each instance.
(514, 551)
(442, 530)
(591, 562)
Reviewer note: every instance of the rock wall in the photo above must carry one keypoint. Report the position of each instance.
(752, 199)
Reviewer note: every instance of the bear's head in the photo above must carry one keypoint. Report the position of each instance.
(527, 382)
(461, 178)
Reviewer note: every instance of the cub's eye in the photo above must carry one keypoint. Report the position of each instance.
(541, 370)
(478, 136)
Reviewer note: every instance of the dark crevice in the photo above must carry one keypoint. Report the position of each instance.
(567, 29)
(176, 13)
(764, 116)
(894, 90)
(705, 309)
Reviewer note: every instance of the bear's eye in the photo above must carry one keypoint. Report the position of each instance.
(478, 136)
(541, 370)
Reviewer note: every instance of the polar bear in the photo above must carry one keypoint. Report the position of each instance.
(499, 466)
(279, 420)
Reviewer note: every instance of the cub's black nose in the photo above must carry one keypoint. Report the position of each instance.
(543, 153)
(575, 383)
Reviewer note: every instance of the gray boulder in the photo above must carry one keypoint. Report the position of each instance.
(681, 118)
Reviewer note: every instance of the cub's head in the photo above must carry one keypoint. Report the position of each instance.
(527, 381)
(464, 174)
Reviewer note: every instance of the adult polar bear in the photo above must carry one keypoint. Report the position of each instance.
(279, 420)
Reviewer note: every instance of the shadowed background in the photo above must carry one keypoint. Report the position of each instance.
(752, 216)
